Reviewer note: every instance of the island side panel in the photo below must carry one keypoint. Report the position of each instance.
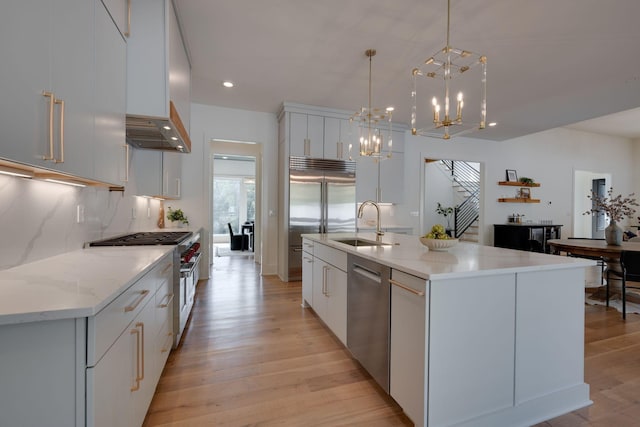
(471, 348)
(550, 334)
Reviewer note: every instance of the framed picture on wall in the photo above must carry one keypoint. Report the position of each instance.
(512, 176)
(525, 193)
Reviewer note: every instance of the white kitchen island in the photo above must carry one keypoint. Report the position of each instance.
(479, 336)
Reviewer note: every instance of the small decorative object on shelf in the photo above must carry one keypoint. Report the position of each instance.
(525, 180)
(512, 176)
(616, 209)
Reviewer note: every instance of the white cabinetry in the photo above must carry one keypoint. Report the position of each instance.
(382, 181)
(128, 344)
(158, 73)
(307, 273)
(306, 135)
(111, 151)
(337, 136)
(409, 323)
(329, 284)
(66, 58)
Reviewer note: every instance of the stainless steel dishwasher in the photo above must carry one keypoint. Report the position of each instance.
(368, 319)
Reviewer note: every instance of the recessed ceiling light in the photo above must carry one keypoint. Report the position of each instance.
(492, 124)
(166, 127)
(227, 83)
(174, 138)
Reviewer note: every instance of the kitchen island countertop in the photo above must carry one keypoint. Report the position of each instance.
(73, 284)
(406, 253)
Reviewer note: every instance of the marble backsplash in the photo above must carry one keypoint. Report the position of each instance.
(40, 219)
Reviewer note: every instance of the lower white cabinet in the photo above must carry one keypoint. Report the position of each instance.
(121, 383)
(307, 273)
(329, 288)
(409, 323)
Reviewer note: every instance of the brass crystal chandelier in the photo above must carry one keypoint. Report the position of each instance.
(446, 64)
(374, 125)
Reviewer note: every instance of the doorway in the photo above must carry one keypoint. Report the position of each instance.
(235, 199)
(584, 182)
(454, 184)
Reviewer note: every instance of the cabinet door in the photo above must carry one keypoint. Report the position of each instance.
(477, 348)
(307, 279)
(392, 179)
(336, 289)
(306, 135)
(172, 175)
(366, 177)
(407, 356)
(110, 149)
(24, 74)
(319, 288)
(336, 142)
(72, 80)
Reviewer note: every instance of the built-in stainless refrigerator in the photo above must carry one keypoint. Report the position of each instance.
(322, 199)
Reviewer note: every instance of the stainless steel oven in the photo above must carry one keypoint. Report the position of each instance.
(186, 257)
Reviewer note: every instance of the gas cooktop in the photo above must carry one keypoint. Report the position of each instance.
(145, 239)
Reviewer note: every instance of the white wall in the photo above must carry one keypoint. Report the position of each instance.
(548, 157)
(210, 123)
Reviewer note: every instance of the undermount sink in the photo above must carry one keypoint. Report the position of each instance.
(360, 242)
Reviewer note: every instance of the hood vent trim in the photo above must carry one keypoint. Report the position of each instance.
(151, 133)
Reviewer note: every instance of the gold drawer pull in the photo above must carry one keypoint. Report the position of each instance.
(165, 305)
(136, 332)
(135, 305)
(406, 288)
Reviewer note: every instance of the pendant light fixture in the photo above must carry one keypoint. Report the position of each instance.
(445, 120)
(374, 125)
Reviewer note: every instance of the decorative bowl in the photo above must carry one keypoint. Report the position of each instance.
(438, 244)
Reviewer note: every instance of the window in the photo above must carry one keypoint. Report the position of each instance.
(234, 201)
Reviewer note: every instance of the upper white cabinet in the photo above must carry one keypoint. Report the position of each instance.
(111, 151)
(158, 174)
(337, 136)
(306, 135)
(158, 69)
(54, 85)
(381, 181)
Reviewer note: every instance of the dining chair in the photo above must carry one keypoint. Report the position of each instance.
(630, 271)
(237, 241)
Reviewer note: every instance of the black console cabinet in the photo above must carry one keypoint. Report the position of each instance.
(525, 237)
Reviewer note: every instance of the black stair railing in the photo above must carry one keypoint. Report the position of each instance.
(467, 177)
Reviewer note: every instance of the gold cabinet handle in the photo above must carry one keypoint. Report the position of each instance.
(169, 299)
(136, 332)
(51, 97)
(137, 302)
(60, 102)
(406, 288)
(141, 326)
(128, 32)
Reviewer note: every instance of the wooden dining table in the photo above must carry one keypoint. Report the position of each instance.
(595, 248)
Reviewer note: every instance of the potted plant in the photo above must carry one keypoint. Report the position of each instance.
(616, 209)
(446, 212)
(177, 217)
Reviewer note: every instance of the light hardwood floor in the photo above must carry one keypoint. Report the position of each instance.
(252, 356)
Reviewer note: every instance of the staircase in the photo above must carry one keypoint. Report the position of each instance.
(465, 180)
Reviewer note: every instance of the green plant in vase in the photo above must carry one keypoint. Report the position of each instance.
(177, 216)
(446, 212)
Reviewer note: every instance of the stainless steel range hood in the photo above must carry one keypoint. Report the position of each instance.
(158, 133)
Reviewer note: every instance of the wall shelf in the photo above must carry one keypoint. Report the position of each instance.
(518, 200)
(518, 184)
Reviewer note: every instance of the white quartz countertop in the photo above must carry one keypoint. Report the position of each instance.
(73, 284)
(406, 253)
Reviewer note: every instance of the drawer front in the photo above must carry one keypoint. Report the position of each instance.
(164, 301)
(307, 246)
(408, 280)
(164, 270)
(105, 327)
(335, 257)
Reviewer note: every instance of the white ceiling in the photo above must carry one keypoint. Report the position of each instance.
(550, 62)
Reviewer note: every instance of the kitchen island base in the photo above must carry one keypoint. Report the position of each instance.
(500, 332)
